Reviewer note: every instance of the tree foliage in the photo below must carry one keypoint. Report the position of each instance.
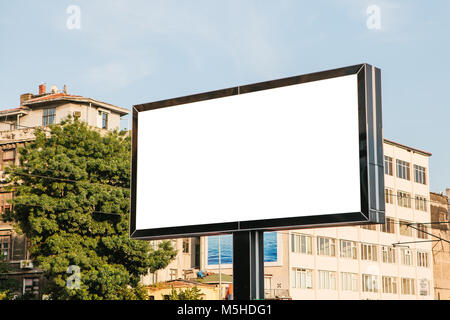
(72, 198)
(193, 293)
(8, 286)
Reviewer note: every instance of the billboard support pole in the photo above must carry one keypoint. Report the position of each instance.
(248, 265)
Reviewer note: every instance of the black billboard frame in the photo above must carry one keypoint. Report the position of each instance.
(370, 148)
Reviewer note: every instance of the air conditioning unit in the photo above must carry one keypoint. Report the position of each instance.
(26, 264)
(77, 114)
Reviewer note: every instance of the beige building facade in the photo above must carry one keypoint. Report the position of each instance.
(440, 218)
(393, 261)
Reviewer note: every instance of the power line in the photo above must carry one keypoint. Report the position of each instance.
(41, 206)
(68, 180)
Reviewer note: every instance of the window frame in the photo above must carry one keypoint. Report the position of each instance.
(388, 226)
(328, 249)
(404, 199)
(388, 165)
(389, 284)
(408, 286)
(350, 277)
(348, 249)
(301, 243)
(388, 254)
(369, 283)
(369, 252)
(420, 175)
(327, 280)
(5, 240)
(48, 116)
(302, 278)
(403, 169)
(406, 257)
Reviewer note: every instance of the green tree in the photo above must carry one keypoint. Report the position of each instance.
(7, 285)
(72, 198)
(193, 293)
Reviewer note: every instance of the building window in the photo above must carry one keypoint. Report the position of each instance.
(389, 226)
(403, 170)
(404, 199)
(419, 174)
(407, 257)
(405, 230)
(301, 243)
(421, 203)
(349, 281)
(301, 278)
(173, 274)
(388, 254)
(186, 245)
(152, 278)
(422, 231)
(369, 283)
(389, 284)
(8, 158)
(326, 247)
(5, 202)
(5, 248)
(369, 252)
(31, 286)
(389, 196)
(327, 280)
(422, 259)
(348, 249)
(102, 121)
(388, 166)
(372, 227)
(408, 286)
(48, 116)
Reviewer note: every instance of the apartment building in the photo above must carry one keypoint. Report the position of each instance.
(440, 228)
(390, 261)
(17, 129)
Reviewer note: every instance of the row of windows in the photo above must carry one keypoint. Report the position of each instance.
(327, 280)
(404, 199)
(48, 118)
(406, 228)
(301, 243)
(403, 170)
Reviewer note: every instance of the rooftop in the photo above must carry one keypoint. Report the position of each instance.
(29, 100)
(425, 153)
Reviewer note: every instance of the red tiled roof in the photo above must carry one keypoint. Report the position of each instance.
(13, 109)
(72, 97)
(53, 96)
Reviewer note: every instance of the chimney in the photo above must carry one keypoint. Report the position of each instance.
(65, 89)
(25, 97)
(42, 89)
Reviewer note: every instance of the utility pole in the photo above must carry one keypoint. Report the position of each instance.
(248, 265)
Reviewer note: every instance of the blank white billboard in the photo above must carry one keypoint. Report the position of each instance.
(286, 152)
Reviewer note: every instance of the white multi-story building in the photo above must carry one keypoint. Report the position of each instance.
(390, 261)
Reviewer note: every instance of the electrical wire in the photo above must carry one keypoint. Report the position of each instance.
(69, 180)
(41, 206)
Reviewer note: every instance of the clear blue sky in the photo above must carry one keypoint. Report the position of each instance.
(130, 52)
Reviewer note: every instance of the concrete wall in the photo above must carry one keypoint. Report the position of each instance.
(441, 249)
